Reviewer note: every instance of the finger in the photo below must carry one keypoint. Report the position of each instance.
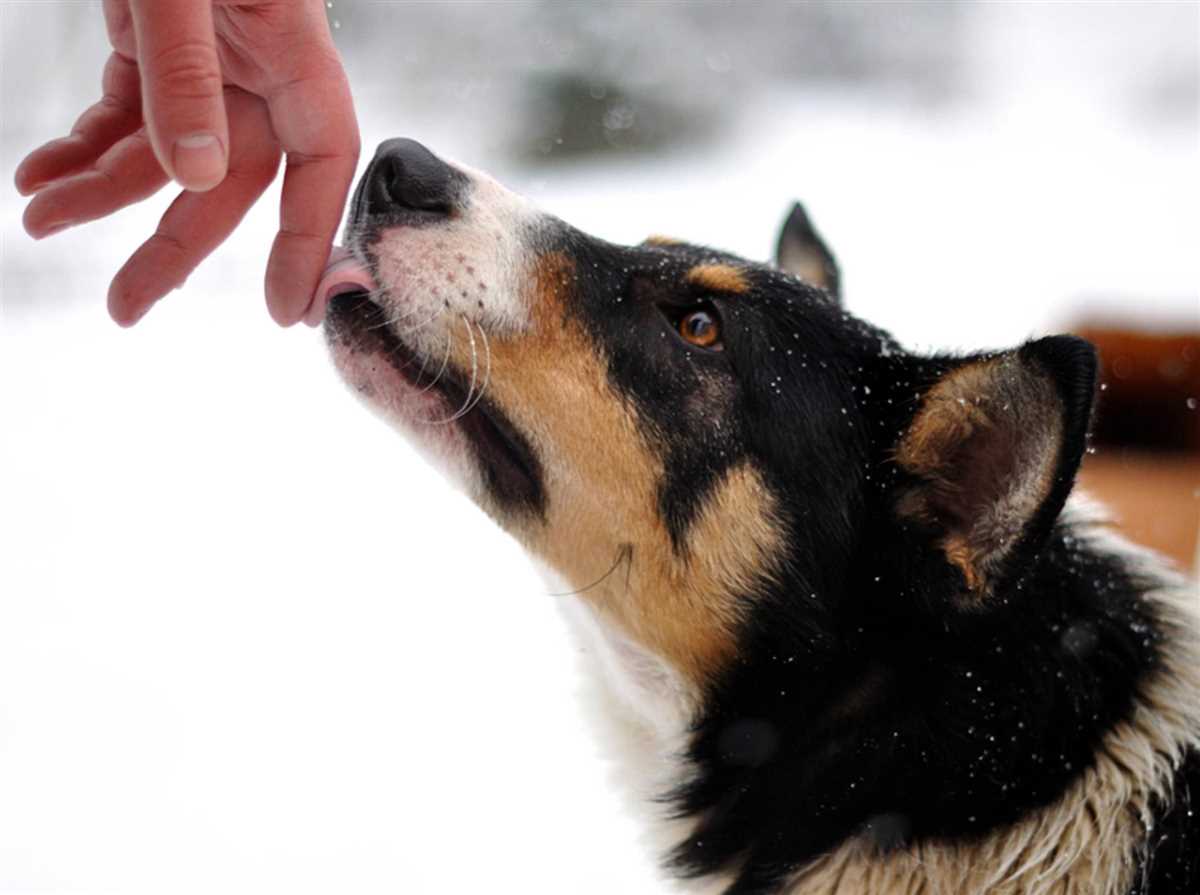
(115, 116)
(182, 89)
(196, 223)
(313, 116)
(126, 174)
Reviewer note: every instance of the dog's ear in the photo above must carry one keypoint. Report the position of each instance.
(992, 452)
(801, 252)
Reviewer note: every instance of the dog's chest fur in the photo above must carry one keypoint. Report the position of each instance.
(1099, 838)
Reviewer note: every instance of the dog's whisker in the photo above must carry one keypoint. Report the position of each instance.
(487, 376)
(474, 379)
(470, 404)
(442, 370)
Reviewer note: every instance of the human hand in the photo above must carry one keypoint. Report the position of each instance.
(209, 94)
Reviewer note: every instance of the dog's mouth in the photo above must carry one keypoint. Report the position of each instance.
(510, 468)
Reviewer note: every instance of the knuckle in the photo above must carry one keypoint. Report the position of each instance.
(185, 84)
(187, 71)
(306, 59)
(169, 242)
(115, 105)
(120, 76)
(172, 260)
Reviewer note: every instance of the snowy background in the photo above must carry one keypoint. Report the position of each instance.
(249, 643)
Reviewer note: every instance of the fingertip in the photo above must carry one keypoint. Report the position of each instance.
(281, 314)
(315, 315)
(24, 182)
(125, 306)
(124, 310)
(31, 174)
(47, 232)
(36, 226)
(48, 163)
(124, 322)
(23, 178)
(289, 290)
(279, 306)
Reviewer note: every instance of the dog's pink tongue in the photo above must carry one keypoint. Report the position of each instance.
(343, 273)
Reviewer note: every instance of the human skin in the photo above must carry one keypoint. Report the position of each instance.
(211, 95)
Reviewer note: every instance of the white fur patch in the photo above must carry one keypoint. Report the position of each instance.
(476, 264)
(641, 708)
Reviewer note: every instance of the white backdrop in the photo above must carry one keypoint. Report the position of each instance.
(249, 643)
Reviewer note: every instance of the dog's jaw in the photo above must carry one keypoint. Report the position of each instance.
(443, 293)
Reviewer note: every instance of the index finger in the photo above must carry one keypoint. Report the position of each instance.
(313, 117)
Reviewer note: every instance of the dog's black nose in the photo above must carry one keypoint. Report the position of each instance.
(407, 176)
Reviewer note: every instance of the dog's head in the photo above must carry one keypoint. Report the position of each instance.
(710, 450)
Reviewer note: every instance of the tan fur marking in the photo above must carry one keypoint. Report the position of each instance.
(602, 477)
(982, 399)
(963, 555)
(719, 278)
(1082, 844)
(657, 239)
(948, 416)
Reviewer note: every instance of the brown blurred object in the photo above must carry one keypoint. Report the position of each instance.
(1150, 387)
(1146, 465)
(1153, 497)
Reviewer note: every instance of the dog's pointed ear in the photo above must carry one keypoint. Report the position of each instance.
(993, 450)
(801, 252)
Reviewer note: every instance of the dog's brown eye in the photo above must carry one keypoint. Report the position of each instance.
(702, 328)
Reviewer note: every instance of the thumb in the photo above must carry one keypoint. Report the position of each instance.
(182, 97)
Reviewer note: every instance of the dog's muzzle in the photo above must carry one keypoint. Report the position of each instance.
(405, 185)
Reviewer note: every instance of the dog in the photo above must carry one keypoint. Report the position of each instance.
(847, 632)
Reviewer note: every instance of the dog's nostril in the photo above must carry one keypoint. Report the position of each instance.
(407, 175)
(415, 191)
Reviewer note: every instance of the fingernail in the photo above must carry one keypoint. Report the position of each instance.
(199, 162)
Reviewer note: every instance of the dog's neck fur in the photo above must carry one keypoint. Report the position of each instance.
(1080, 839)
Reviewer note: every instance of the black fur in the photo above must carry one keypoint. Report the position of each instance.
(877, 688)
(865, 698)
